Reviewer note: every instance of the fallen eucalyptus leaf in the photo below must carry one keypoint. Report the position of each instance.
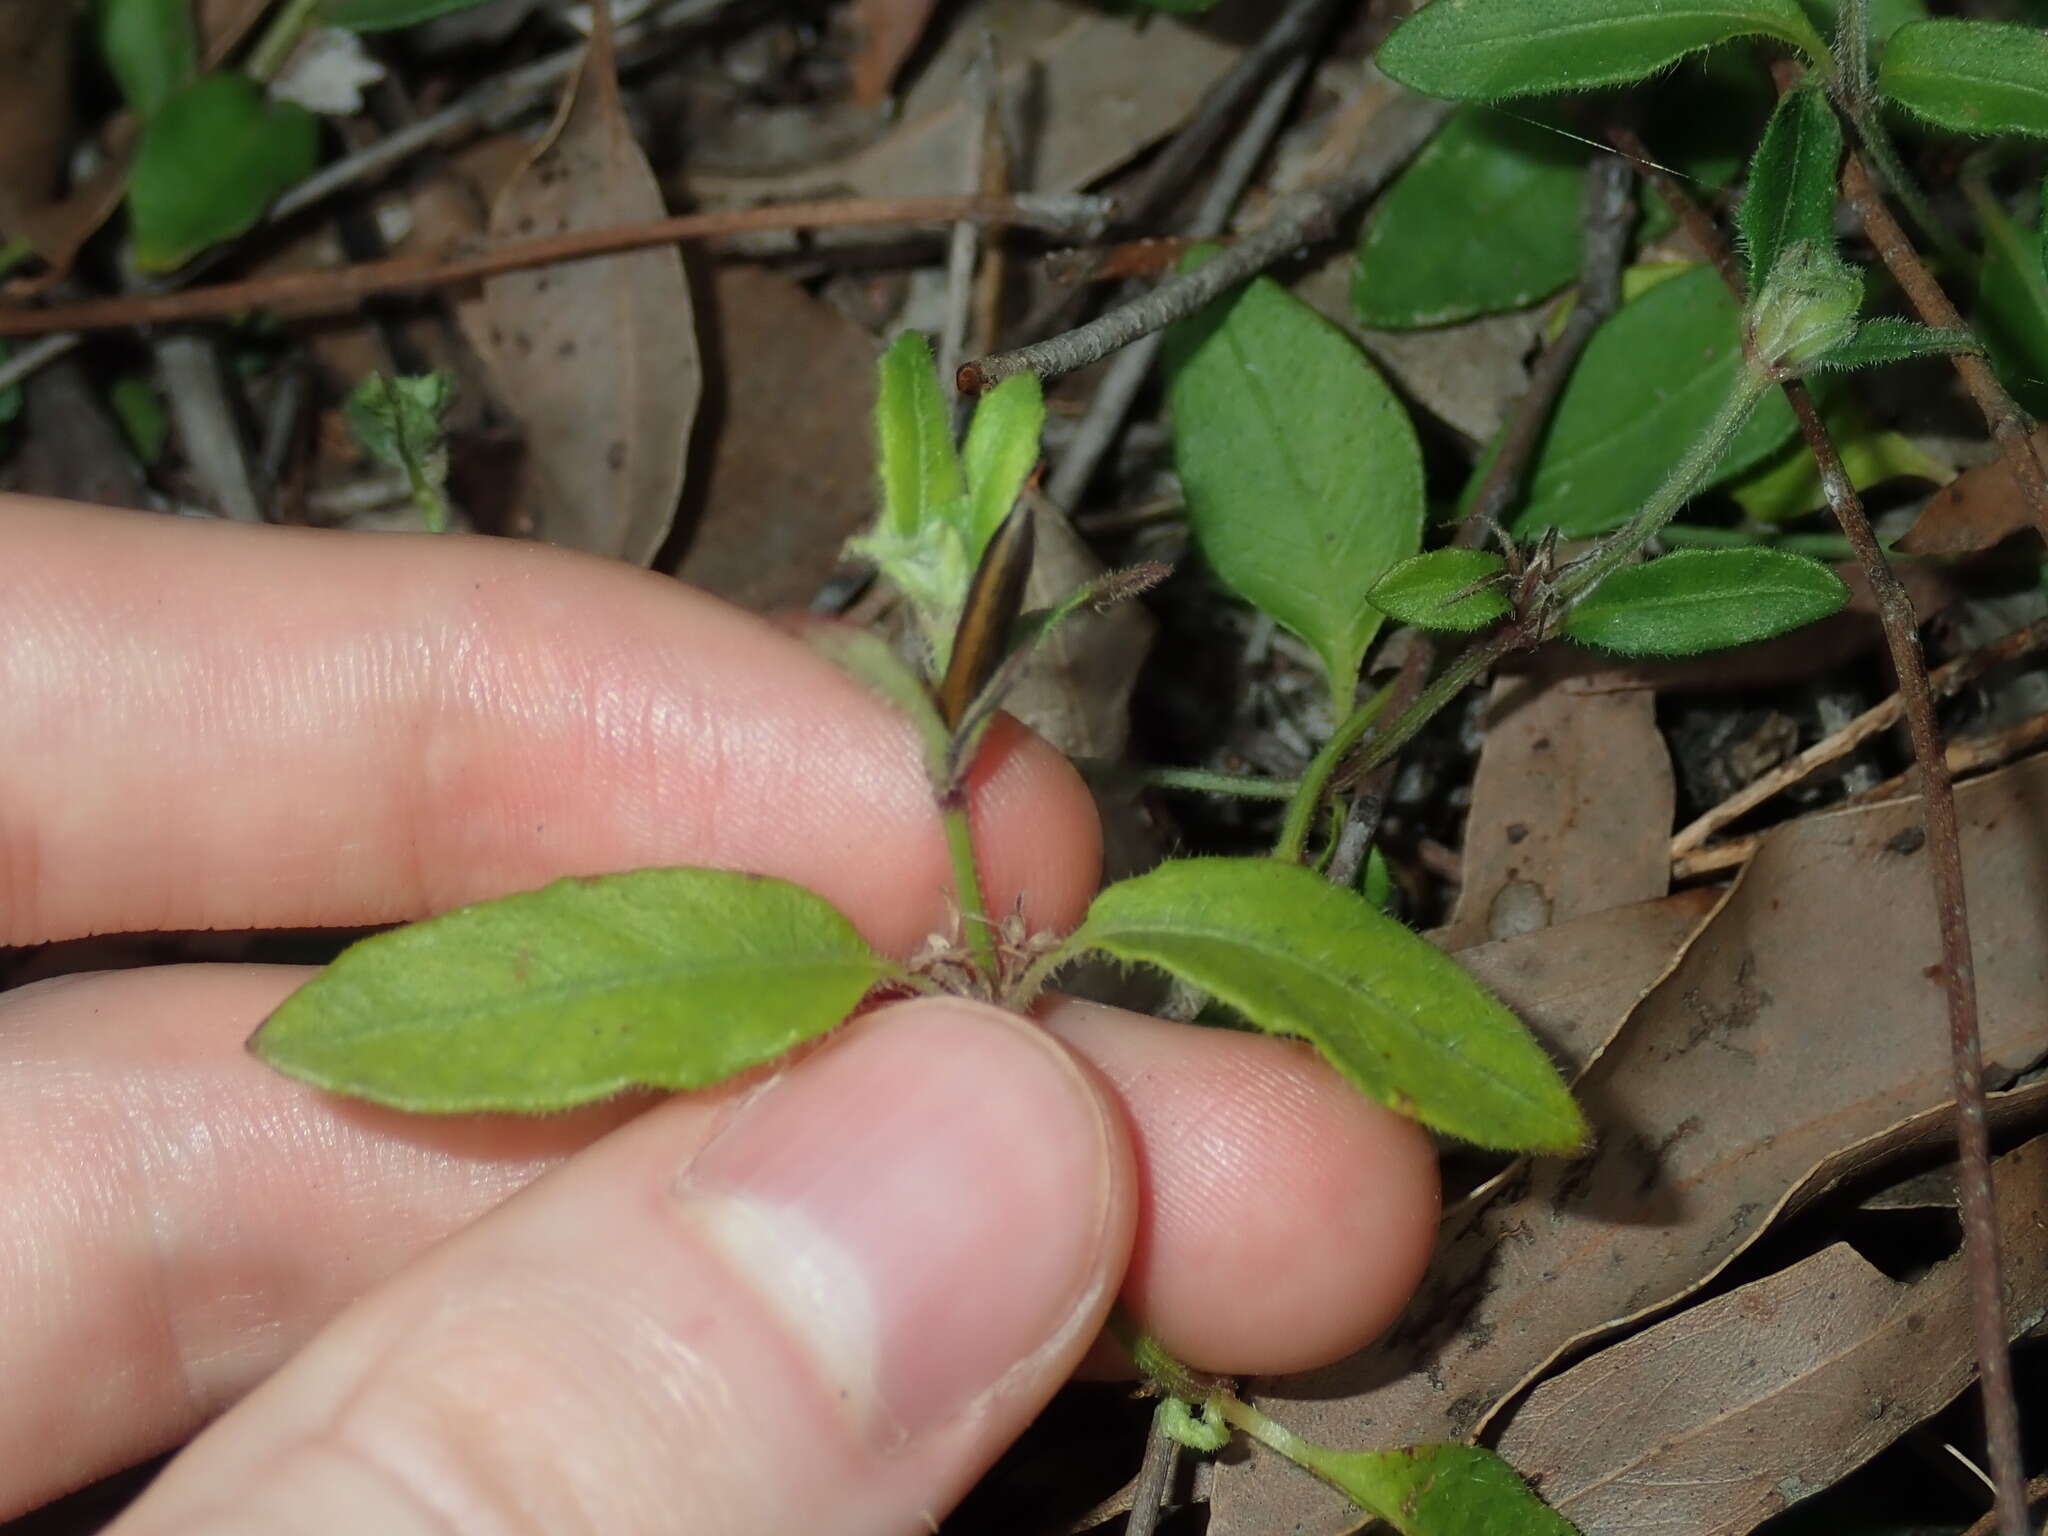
(599, 359)
(661, 978)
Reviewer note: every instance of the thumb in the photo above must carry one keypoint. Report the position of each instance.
(821, 1305)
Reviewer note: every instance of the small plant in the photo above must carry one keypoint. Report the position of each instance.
(1305, 493)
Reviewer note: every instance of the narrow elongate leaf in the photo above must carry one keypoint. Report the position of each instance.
(1791, 181)
(209, 163)
(1650, 383)
(1297, 956)
(1888, 339)
(151, 48)
(1481, 50)
(662, 978)
(1442, 590)
(384, 15)
(1970, 76)
(914, 438)
(598, 358)
(1486, 219)
(1000, 453)
(1440, 1490)
(1303, 476)
(1705, 600)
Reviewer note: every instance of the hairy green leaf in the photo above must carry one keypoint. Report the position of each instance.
(1438, 1490)
(1481, 50)
(1969, 76)
(914, 438)
(662, 978)
(1791, 182)
(1887, 339)
(1651, 382)
(384, 15)
(1705, 600)
(1302, 472)
(210, 161)
(150, 47)
(1000, 453)
(1297, 956)
(1442, 590)
(1486, 219)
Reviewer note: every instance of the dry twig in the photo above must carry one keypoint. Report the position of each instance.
(1944, 842)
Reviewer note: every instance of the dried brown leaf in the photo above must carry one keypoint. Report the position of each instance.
(1714, 1421)
(35, 117)
(1800, 1037)
(789, 370)
(598, 358)
(1571, 808)
(1979, 508)
(889, 31)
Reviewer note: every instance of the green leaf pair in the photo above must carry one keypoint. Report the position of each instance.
(1680, 605)
(680, 978)
(940, 506)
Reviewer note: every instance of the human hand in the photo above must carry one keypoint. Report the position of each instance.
(823, 1305)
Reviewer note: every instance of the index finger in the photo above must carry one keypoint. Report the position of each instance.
(229, 727)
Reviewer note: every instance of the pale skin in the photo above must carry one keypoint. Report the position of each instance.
(823, 1304)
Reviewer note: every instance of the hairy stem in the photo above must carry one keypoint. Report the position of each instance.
(981, 939)
(268, 53)
(1308, 795)
(1201, 781)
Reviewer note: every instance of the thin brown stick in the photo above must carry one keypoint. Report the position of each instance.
(2037, 1493)
(1303, 218)
(1944, 842)
(340, 288)
(1946, 682)
(1608, 210)
(2009, 426)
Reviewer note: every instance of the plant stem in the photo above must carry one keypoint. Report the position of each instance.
(1449, 683)
(1686, 477)
(268, 53)
(1901, 631)
(1201, 781)
(1308, 795)
(980, 934)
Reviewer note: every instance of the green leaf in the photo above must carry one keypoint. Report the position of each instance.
(1705, 600)
(209, 163)
(144, 422)
(1441, 590)
(662, 978)
(1788, 484)
(1302, 473)
(150, 47)
(1481, 50)
(1297, 956)
(1969, 76)
(1886, 340)
(10, 397)
(1791, 182)
(1650, 383)
(914, 437)
(385, 15)
(1000, 453)
(398, 421)
(1439, 1490)
(1486, 219)
(2012, 297)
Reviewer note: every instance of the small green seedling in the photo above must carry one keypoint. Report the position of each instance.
(398, 422)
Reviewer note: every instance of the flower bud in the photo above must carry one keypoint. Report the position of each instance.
(1806, 309)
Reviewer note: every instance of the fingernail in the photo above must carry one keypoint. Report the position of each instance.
(925, 1203)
